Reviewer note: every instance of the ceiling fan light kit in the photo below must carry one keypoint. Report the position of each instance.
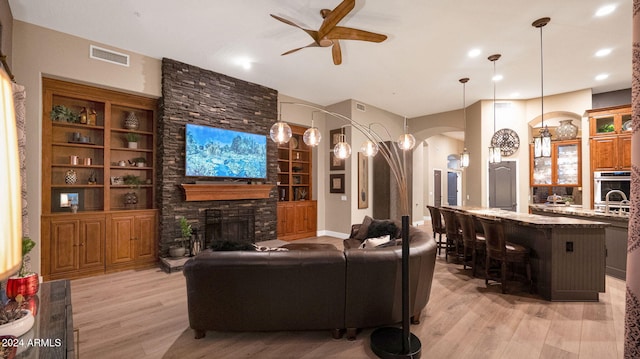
(329, 33)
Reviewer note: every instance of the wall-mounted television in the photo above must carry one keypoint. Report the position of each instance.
(221, 153)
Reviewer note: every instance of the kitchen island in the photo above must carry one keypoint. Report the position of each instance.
(567, 254)
(615, 234)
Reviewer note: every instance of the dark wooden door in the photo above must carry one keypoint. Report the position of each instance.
(502, 185)
(452, 188)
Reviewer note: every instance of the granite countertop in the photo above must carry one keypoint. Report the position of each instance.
(579, 211)
(534, 220)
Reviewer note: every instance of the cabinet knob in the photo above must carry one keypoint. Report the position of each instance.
(81, 244)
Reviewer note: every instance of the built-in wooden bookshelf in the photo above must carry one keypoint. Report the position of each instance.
(86, 160)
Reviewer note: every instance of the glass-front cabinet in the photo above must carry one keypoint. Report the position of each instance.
(562, 168)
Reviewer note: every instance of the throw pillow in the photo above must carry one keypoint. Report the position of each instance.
(381, 227)
(364, 228)
(269, 249)
(374, 242)
(232, 246)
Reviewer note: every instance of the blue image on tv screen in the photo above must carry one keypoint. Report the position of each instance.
(217, 152)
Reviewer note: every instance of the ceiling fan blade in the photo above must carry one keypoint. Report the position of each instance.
(313, 44)
(347, 33)
(336, 52)
(312, 33)
(335, 16)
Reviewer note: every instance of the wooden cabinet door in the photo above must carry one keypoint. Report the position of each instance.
(305, 217)
(121, 248)
(91, 244)
(290, 218)
(64, 245)
(145, 239)
(604, 154)
(624, 152)
(311, 224)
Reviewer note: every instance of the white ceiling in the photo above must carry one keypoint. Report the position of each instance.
(414, 72)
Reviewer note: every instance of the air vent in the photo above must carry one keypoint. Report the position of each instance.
(111, 56)
(361, 107)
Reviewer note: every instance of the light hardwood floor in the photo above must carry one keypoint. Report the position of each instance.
(143, 314)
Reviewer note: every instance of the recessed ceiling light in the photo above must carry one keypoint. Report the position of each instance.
(244, 62)
(602, 77)
(474, 53)
(603, 52)
(497, 78)
(605, 10)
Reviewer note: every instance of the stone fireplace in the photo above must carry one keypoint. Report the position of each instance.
(194, 95)
(236, 225)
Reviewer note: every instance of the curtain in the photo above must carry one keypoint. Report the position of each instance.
(632, 311)
(19, 97)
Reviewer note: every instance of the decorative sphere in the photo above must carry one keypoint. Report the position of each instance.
(312, 136)
(369, 148)
(406, 141)
(280, 133)
(342, 150)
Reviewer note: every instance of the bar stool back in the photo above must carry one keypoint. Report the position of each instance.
(503, 252)
(438, 227)
(474, 243)
(454, 244)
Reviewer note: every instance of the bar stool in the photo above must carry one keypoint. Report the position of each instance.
(504, 252)
(438, 228)
(454, 243)
(474, 243)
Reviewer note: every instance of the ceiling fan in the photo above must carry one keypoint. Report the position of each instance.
(329, 33)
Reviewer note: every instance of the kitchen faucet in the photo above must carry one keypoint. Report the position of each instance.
(606, 198)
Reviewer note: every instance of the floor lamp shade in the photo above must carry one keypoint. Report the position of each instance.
(11, 209)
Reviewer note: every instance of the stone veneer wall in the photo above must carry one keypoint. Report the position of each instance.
(194, 95)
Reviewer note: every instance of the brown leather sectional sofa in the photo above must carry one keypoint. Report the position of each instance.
(306, 289)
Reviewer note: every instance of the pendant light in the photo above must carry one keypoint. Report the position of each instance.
(342, 149)
(494, 152)
(280, 132)
(406, 141)
(542, 143)
(464, 156)
(369, 148)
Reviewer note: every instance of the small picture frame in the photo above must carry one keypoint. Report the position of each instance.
(336, 183)
(334, 137)
(335, 163)
(116, 180)
(62, 199)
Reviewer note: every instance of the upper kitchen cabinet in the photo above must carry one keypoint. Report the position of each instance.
(610, 138)
(563, 168)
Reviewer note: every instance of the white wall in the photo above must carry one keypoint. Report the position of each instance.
(437, 149)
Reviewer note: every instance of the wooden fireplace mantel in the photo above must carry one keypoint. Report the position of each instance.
(225, 192)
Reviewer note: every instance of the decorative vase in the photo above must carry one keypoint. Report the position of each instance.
(130, 199)
(19, 326)
(567, 130)
(133, 144)
(131, 122)
(27, 286)
(71, 177)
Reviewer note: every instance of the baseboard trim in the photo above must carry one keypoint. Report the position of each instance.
(333, 234)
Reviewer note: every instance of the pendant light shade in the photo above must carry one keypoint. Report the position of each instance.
(312, 136)
(494, 152)
(369, 148)
(280, 132)
(542, 143)
(406, 141)
(342, 149)
(464, 156)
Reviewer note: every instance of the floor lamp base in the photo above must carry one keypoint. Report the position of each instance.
(386, 343)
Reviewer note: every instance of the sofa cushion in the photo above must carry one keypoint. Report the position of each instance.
(379, 227)
(363, 230)
(232, 246)
(374, 242)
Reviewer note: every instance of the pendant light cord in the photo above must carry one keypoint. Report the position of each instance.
(541, 81)
(494, 95)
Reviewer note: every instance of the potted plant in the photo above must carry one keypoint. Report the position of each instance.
(139, 161)
(132, 139)
(24, 282)
(178, 250)
(15, 320)
(131, 197)
(63, 113)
